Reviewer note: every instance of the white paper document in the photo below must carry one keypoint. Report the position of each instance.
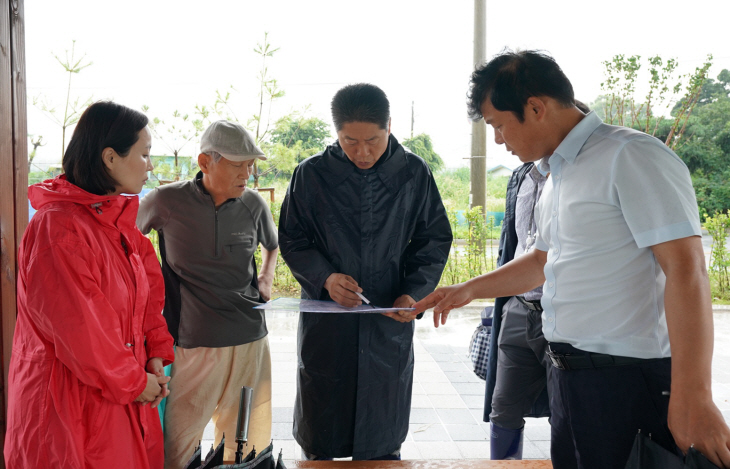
(318, 306)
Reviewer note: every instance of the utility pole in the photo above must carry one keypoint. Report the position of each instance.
(478, 196)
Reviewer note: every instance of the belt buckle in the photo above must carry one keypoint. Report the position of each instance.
(558, 360)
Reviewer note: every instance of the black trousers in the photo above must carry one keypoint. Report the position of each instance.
(597, 412)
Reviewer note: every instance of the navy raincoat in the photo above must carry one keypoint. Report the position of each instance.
(386, 227)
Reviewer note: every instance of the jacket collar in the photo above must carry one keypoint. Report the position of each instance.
(390, 167)
(118, 211)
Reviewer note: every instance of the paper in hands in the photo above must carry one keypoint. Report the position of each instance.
(318, 306)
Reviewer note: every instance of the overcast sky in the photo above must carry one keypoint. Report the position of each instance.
(174, 54)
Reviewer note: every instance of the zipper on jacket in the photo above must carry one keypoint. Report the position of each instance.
(217, 253)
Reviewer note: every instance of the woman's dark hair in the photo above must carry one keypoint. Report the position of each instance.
(361, 102)
(511, 78)
(103, 124)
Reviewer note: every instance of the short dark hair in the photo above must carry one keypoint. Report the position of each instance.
(361, 102)
(103, 124)
(511, 78)
(583, 107)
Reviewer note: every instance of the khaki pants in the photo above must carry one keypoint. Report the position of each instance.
(206, 382)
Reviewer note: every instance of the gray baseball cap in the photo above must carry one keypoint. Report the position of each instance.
(231, 140)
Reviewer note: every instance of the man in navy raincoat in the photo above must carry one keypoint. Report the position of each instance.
(364, 216)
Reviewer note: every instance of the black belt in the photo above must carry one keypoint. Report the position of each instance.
(532, 305)
(585, 360)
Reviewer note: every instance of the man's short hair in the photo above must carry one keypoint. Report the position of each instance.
(511, 78)
(361, 102)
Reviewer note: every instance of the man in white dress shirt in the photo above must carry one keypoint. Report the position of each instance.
(626, 297)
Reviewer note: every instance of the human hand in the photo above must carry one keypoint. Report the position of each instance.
(153, 391)
(156, 367)
(265, 282)
(697, 421)
(342, 289)
(403, 301)
(443, 300)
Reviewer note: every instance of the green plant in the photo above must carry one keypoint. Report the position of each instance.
(719, 229)
(620, 106)
(476, 253)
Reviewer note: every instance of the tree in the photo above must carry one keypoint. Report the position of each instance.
(72, 109)
(295, 138)
(313, 132)
(711, 91)
(421, 145)
(620, 106)
(706, 146)
(268, 92)
(697, 128)
(175, 133)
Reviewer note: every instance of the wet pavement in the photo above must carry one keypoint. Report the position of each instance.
(448, 398)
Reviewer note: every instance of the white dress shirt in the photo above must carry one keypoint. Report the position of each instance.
(613, 193)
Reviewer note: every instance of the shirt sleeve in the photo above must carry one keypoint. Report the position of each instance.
(266, 229)
(428, 250)
(151, 212)
(308, 265)
(654, 190)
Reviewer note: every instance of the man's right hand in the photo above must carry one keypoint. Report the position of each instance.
(443, 300)
(342, 289)
(153, 389)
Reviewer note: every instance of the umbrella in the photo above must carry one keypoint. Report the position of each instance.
(647, 454)
(262, 460)
(215, 456)
(195, 460)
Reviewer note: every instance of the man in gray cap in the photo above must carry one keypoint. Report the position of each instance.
(209, 229)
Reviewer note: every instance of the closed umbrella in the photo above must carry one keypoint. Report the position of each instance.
(647, 454)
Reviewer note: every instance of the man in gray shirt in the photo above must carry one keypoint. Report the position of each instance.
(209, 229)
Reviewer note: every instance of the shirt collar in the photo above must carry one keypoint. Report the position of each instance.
(573, 142)
(536, 175)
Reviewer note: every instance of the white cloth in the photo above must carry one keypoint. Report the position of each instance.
(612, 194)
(206, 382)
(525, 223)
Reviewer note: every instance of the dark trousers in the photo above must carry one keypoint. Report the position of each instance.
(597, 412)
(522, 365)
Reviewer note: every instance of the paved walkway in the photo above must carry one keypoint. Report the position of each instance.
(448, 398)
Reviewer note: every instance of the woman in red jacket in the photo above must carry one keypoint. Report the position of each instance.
(90, 340)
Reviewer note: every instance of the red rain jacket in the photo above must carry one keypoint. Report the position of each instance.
(89, 316)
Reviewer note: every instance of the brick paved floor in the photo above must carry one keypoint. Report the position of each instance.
(448, 398)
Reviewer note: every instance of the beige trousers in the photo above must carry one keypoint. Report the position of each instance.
(206, 382)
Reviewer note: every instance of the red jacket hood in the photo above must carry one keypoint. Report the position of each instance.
(116, 210)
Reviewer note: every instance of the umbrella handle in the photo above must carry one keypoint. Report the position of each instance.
(244, 414)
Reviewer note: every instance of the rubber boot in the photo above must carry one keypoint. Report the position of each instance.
(506, 443)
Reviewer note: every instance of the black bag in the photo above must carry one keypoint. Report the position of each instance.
(647, 454)
(479, 345)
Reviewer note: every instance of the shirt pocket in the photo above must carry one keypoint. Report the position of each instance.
(240, 247)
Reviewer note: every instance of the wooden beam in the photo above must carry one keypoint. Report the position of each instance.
(13, 175)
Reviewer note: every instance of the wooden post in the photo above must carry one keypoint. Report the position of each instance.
(13, 174)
